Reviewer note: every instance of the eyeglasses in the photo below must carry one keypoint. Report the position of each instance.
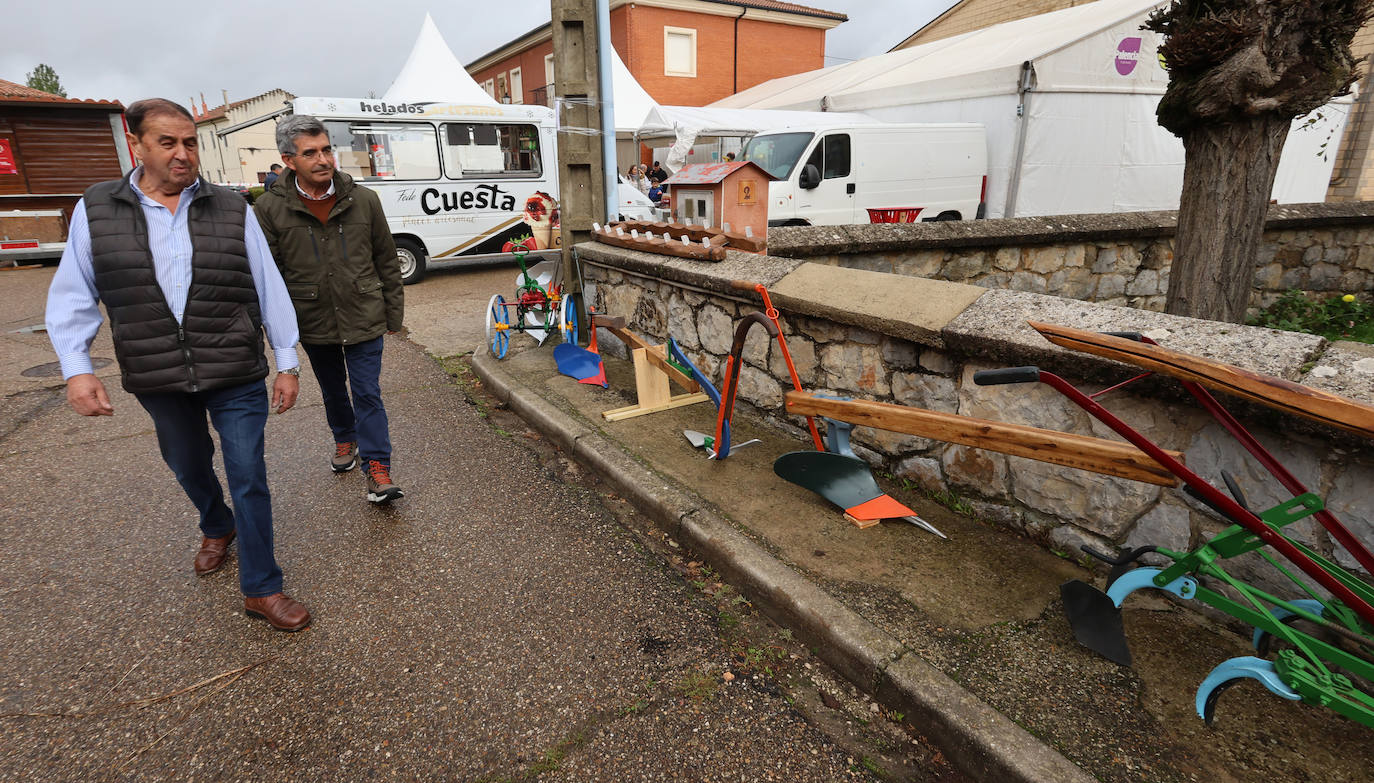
(327, 152)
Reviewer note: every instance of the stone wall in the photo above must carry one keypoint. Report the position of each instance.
(849, 352)
(1116, 259)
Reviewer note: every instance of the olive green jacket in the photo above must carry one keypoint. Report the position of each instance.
(343, 276)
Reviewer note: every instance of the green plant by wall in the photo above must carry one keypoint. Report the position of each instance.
(1335, 318)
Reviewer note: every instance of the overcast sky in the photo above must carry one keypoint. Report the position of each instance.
(138, 48)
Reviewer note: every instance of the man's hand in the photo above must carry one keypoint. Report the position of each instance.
(284, 391)
(86, 395)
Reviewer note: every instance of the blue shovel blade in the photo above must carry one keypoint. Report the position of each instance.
(576, 362)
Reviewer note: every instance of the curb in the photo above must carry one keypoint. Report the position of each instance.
(979, 740)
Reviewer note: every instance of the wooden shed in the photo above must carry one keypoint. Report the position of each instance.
(52, 149)
(719, 193)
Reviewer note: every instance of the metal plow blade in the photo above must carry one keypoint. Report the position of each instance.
(1095, 620)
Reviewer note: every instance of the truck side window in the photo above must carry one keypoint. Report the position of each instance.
(372, 151)
(817, 157)
(836, 156)
(480, 150)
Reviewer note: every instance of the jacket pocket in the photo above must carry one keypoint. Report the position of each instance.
(367, 285)
(303, 292)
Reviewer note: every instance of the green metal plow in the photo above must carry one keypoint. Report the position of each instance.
(1317, 648)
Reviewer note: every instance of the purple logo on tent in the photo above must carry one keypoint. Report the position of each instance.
(1127, 55)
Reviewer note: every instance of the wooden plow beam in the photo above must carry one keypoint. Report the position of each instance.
(653, 375)
(1083, 452)
(1294, 398)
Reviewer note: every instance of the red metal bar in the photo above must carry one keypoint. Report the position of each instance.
(1126, 382)
(772, 313)
(1222, 501)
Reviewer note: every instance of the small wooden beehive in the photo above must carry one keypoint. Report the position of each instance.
(734, 193)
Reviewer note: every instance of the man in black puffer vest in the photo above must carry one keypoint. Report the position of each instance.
(189, 284)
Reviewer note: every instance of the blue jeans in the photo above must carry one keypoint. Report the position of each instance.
(339, 368)
(239, 414)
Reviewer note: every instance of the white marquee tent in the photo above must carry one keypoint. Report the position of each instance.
(432, 73)
(1068, 99)
(639, 116)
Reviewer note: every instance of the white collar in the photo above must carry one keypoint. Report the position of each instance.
(305, 195)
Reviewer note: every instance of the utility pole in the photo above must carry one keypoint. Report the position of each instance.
(586, 157)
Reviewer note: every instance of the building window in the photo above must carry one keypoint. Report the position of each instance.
(679, 51)
(548, 71)
(517, 86)
(490, 87)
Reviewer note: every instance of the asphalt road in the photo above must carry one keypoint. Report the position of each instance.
(502, 622)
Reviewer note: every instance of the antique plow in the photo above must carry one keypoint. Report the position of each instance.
(1326, 650)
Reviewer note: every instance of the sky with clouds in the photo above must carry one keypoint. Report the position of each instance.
(137, 49)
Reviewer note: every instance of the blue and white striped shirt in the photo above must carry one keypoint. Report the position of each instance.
(73, 315)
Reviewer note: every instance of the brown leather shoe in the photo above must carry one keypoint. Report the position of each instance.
(212, 553)
(280, 611)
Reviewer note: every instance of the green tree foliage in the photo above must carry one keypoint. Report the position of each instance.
(45, 78)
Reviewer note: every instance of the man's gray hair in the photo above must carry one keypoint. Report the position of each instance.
(294, 126)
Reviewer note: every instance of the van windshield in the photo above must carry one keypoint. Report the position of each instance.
(777, 153)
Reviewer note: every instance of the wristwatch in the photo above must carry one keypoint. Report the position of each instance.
(296, 371)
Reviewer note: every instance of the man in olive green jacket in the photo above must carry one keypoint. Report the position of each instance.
(331, 241)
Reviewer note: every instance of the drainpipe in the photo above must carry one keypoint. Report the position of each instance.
(606, 77)
(735, 49)
(1023, 91)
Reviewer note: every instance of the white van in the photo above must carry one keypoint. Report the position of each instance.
(457, 182)
(833, 175)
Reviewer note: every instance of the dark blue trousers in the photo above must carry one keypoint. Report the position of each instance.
(239, 414)
(339, 368)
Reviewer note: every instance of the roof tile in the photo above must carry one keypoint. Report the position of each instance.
(11, 92)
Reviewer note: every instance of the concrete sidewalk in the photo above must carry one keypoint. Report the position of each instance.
(965, 637)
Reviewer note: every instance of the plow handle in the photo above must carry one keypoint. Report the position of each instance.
(1007, 375)
(772, 313)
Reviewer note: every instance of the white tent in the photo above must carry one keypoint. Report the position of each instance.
(716, 121)
(632, 103)
(1068, 99)
(432, 73)
(639, 116)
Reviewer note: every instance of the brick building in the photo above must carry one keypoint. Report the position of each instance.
(683, 52)
(1352, 178)
(236, 146)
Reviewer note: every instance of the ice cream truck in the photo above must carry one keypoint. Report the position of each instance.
(457, 182)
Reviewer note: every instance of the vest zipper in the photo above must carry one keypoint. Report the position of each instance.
(186, 353)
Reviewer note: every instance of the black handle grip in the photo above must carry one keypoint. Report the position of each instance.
(1007, 375)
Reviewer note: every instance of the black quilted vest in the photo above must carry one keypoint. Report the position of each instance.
(219, 341)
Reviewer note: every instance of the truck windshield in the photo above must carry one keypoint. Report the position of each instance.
(777, 153)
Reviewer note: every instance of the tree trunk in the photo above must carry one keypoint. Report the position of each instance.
(1227, 179)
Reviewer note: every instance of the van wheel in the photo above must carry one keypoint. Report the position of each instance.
(948, 216)
(412, 258)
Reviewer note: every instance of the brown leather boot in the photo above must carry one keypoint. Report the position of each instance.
(279, 610)
(212, 553)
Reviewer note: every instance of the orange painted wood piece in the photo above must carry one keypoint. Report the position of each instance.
(879, 508)
(1277, 393)
(1109, 457)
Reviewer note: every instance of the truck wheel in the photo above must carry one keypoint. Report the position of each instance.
(948, 216)
(412, 258)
